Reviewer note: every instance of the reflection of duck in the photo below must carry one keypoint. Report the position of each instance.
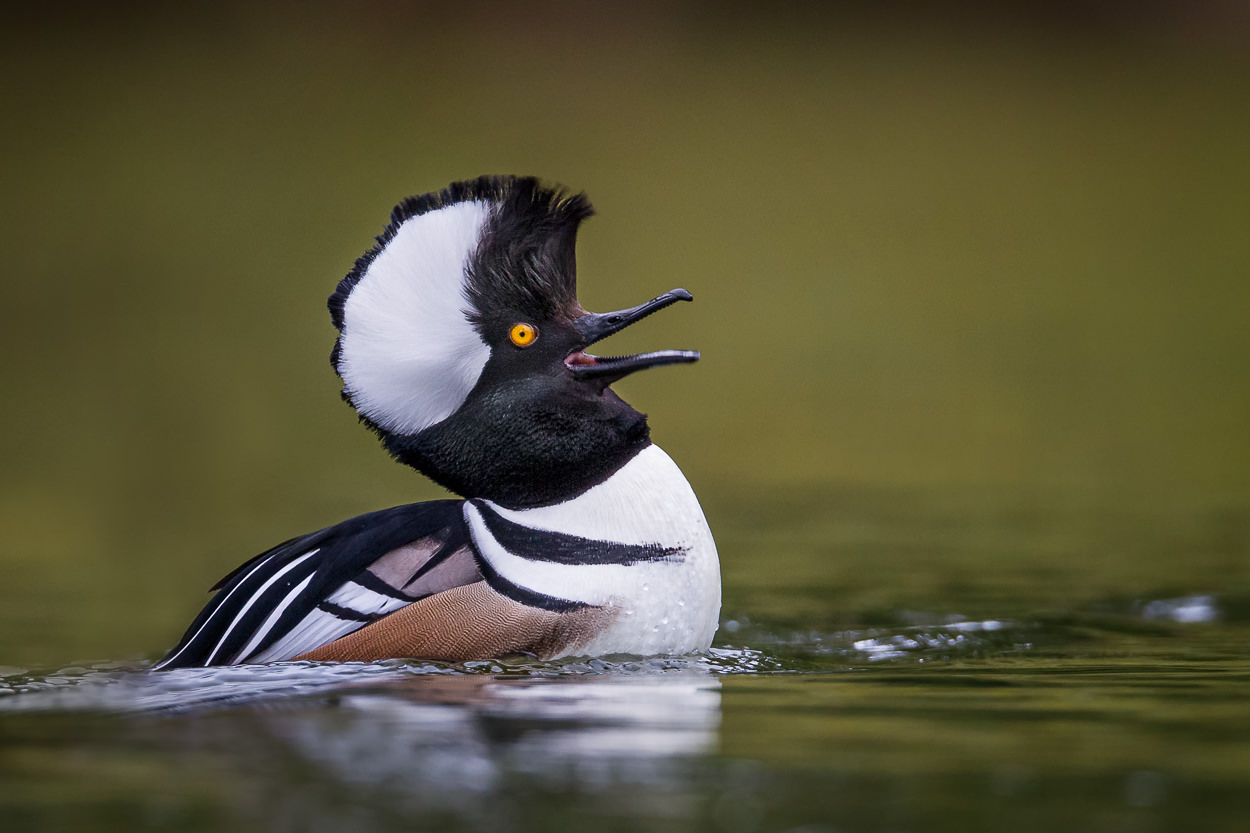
(445, 742)
(462, 344)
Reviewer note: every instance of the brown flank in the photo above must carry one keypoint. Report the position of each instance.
(465, 623)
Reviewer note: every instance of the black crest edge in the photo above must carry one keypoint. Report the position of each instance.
(570, 208)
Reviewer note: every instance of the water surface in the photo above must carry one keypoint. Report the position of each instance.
(964, 726)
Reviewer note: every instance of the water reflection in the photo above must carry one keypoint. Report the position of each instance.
(1134, 740)
(386, 745)
(486, 752)
(439, 744)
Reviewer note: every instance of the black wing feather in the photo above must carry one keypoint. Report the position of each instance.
(382, 536)
(343, 552)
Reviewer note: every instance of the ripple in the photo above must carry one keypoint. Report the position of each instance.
(955, 637)
(119, 688)
(107, 688)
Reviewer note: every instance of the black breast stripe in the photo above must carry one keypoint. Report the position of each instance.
(526, 597)
(559, 548)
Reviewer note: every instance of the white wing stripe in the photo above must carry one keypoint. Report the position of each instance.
(263, 630)
(212, 616)
(320, 627)
(316, 629)
(248, 606)
(364, 601)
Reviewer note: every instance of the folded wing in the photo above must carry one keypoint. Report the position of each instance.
(314, 589)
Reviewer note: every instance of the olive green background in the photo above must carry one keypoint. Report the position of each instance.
(955, 257)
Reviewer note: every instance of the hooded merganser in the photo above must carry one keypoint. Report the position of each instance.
(462, 345)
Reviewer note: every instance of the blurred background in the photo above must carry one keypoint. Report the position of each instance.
(955, 268)
(971, 292)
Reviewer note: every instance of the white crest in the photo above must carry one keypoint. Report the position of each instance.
(408, 356)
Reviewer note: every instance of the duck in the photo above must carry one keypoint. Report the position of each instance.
(461, 344)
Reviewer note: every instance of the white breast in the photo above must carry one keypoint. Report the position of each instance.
(662, 607)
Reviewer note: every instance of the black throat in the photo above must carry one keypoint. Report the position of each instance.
(522, 451)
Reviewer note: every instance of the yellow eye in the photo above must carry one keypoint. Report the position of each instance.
(523, 335)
